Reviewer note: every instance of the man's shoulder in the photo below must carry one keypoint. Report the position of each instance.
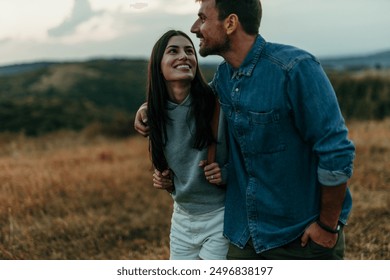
(286, 55)
(222, 64)
(221, 68)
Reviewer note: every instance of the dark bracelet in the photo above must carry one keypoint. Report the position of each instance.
(328, 229)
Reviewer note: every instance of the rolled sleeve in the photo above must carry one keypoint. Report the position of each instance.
(332, 178)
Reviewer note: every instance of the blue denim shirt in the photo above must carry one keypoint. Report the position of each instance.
(287, 137)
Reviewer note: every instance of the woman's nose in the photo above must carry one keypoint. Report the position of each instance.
(183, 56)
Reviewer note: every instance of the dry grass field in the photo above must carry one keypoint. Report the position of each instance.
(70, 196)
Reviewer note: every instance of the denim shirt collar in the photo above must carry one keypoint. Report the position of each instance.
(250, 61)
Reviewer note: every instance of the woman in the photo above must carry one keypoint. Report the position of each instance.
(180, 108)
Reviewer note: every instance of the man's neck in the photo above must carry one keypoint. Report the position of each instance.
(241, 44)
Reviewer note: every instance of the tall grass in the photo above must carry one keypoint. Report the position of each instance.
(71, 196)
(368, 232)
(67, 197)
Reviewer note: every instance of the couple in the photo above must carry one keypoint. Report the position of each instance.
(289, 157)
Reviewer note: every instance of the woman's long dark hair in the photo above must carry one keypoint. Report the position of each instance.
(202, 105)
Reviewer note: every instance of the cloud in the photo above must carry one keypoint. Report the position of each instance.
(4, 40)
(181, 7)
(139, 5)
(78, 29)
(81, 13)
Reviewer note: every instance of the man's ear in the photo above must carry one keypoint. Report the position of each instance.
(231, 23)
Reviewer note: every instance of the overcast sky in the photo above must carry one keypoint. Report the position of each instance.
(34, 30)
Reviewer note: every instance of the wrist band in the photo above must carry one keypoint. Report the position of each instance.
(328, 229)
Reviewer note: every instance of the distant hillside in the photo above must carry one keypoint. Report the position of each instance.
(103, 95)
(42, 97)
(21, 68)
(373, 61)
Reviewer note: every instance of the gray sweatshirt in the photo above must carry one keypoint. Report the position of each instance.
(193, 192)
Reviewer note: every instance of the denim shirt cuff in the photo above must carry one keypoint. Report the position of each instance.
(224, 174)
(331, 178)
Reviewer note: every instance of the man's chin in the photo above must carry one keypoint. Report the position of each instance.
(211, 51)
(204, 52)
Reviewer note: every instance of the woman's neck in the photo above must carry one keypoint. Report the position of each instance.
(178, 91)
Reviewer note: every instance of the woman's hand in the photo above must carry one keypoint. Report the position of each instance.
(212, 172)
(163, 180)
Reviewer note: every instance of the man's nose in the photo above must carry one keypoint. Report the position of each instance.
(195, 26)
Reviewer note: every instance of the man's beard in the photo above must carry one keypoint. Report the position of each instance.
(215, 50)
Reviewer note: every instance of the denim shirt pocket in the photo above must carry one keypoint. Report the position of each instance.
(265, 135)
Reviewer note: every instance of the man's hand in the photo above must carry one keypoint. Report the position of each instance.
(141, 120)
(319, 236)
(331, 204)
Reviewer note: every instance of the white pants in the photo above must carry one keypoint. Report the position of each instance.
(197, 236)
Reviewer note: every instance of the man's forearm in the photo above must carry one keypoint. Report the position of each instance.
(332, 199)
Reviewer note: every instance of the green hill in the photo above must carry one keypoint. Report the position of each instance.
(104, 94)
(72, 95)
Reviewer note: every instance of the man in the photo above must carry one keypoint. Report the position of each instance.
(290, 158)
